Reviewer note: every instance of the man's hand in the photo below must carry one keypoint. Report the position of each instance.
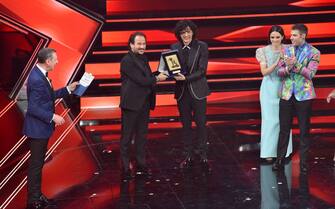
(290, 62)
(161, 77)
(180, 77)
(73, 86)
(331, 96)
(59, 120)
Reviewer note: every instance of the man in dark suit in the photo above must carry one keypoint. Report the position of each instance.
(137, 98)
(192, 90)
(40, 121)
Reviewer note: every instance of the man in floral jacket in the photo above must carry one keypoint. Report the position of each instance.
(297, 67)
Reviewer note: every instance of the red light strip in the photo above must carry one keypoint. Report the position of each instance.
(17, 145)
(52, 148)
(324, 76)
(5, 20)
(15, 169)
(65, 133)
(27, 67)
(60, 37)
(313, 3)
(76, 47)
(160, 50)
(18, 165)
(221, 80)
(209, 48)
(260, 78)
(14, 148)
(210, 81)
(119, 84)
(23, 29)
(4, 110)
(283, 14)
(21, 162)
(14, 193)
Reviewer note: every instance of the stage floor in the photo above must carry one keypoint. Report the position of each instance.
(238, 178)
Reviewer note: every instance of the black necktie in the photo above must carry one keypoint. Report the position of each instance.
(186, 54)
(46, 75)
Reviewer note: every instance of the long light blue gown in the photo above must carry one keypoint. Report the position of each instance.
(269, 99)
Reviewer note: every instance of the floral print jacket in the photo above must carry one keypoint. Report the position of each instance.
(297, 81)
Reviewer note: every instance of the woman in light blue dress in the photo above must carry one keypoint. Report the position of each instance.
(268, 58)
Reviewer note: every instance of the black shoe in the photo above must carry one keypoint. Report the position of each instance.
(47, 202)
(278, 165)
(126, 175)
(267, 161)
(205, 165)
(186, 163)
(36, 205)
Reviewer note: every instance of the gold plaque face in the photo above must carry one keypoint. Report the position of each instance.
(172, 61)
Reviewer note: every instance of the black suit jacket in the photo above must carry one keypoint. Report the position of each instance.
(196, 81)
(138, 83)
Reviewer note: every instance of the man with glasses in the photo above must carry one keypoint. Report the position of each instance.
(191, 91)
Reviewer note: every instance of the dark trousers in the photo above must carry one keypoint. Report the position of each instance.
(303, 110)
(134, 123)
(38, 149)
(191, 108)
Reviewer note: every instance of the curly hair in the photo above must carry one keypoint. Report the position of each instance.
(182, 25)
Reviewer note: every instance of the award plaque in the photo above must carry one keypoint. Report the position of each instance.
(172, 62)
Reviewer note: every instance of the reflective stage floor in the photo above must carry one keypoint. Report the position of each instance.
(238, 179)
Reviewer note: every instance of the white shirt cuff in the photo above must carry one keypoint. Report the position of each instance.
(52, 118)
(68, 90)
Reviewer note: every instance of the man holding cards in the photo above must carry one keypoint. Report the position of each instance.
(40, 121)
(191, 90)
(297, 69)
